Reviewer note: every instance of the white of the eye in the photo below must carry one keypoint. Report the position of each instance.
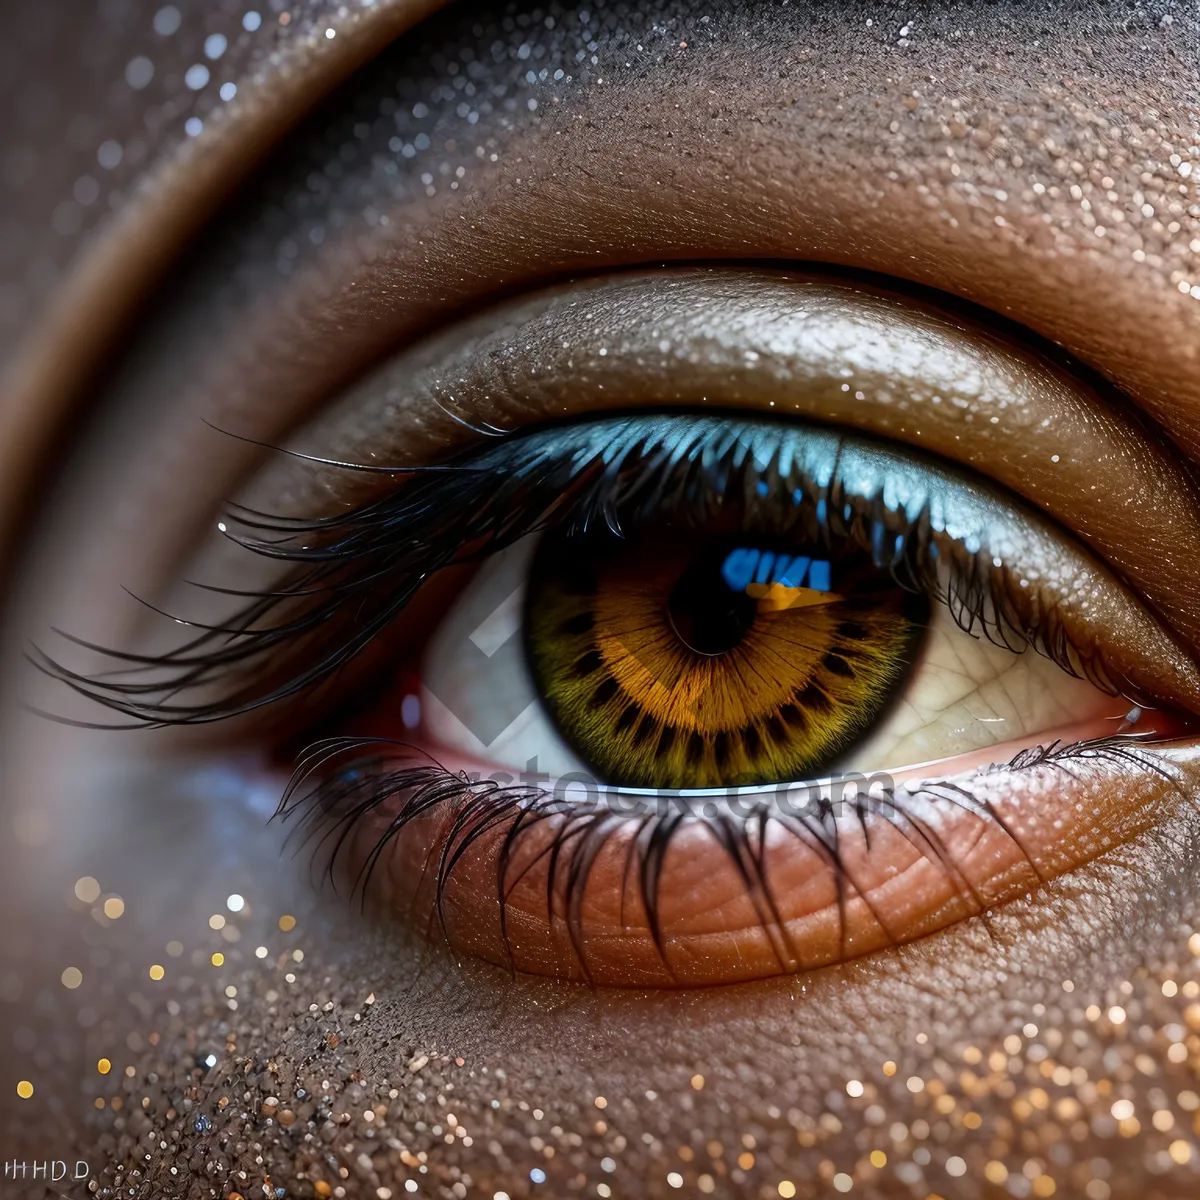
(964, 694)
(475, 675)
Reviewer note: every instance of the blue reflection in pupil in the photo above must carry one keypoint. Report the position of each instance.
(745, 566)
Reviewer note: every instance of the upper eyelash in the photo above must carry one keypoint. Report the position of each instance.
(350, 785)
(371, 560)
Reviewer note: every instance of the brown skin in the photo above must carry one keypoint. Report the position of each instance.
(773, 134)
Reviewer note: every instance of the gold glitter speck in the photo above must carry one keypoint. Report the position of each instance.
(157, 972)
(114, 906)
(287, 923)
(24, 1089)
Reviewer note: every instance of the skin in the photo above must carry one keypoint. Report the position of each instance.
(775, 135)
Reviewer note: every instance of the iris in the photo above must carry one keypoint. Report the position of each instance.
(670, 659)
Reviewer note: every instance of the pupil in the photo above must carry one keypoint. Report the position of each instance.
(707, 615)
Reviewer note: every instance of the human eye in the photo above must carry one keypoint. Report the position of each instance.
(383, 364)
(684, 632)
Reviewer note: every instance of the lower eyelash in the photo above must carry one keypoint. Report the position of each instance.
(340, 782)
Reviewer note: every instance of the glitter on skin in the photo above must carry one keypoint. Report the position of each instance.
(1026, 1063)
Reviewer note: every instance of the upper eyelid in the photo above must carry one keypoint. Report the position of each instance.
(781, 342)
(422, 234)
(366, 565)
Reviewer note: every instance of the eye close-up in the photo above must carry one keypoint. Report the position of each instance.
(601, 601)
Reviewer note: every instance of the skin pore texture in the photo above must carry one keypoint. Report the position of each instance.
(1038, 166)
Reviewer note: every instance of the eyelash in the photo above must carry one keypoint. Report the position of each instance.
(343, 797)
(355, 572)
(605, 475)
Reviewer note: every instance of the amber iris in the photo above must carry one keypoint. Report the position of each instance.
(671, 660)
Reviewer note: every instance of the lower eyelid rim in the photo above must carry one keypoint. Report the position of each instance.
(462, 816)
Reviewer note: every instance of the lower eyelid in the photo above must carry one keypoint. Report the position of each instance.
(737, 899)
